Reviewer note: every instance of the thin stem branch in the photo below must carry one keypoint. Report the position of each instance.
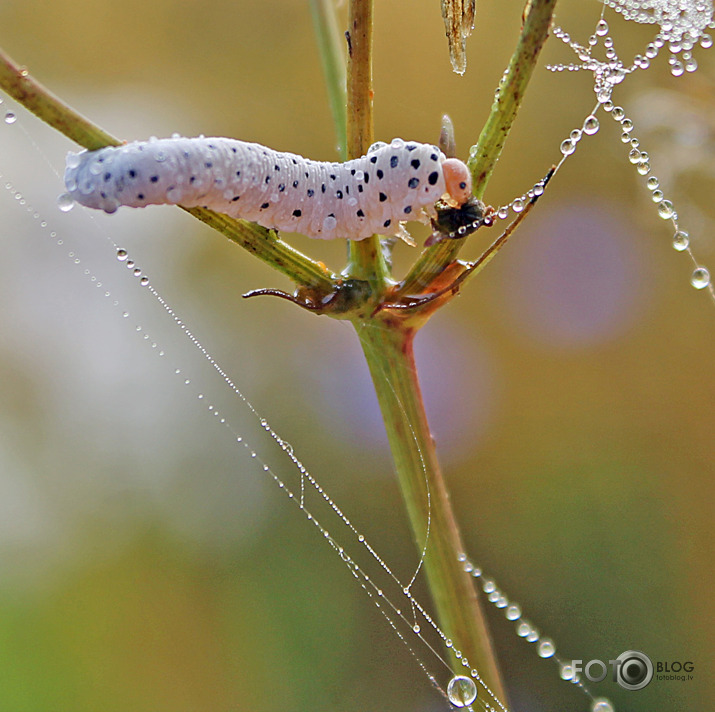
(365, 257)
(332, 55)
(389, 353)
(512, 88)
(485, 154)
(21, 86)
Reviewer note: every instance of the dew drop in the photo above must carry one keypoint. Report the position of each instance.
(513, 612)
(523, 629)
(677, 69)
(10, 118)
(416, 628)
(652, 183)
(618, 113)
(567, 672)
(657, 196)
(144, 281)
(681, 241)
(488, 586)
(665, 210)
(700, 278)
(590, 125)
(503, 212)
(461, 691)
(567, 147)
(634, 156)
(546, 648)
(122, 254)
(643, 168)
(691, 65)
(65, 202)
(517, 205)
(601, 704)
(602, 28)
(603, 95)
(329, 223)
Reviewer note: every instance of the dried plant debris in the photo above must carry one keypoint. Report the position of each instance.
(458, 24)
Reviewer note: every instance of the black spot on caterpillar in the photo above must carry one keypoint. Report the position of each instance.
(319, 199)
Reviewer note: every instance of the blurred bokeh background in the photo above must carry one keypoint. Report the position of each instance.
(147, 562)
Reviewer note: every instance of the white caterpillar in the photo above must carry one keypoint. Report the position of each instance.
(373, 194)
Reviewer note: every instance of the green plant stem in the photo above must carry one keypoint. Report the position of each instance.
(332, 55)
(389, 353)
(263, 243)
(365, 257)
(21, 86)
(485, 154)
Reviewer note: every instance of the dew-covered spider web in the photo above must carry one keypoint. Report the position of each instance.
(682, 27)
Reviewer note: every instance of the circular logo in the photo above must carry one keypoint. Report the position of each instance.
(635, 670)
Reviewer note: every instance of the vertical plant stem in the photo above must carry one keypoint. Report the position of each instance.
(365, 257)
(512, 87)
(332, 55)
(389, 353)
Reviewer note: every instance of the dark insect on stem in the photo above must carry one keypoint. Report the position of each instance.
(455, 223)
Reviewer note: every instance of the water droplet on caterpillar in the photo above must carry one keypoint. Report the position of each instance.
(461, 691)
(65, 202)
(700, 278)
(329, 224)
(10, 118)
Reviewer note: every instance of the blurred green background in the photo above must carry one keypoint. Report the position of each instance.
(149, 564)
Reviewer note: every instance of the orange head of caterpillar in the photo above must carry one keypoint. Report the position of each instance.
(458, 182)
